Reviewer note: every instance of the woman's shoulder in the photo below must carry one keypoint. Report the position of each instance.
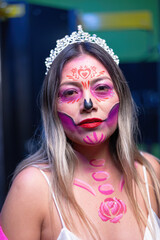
(24, 208)
(27, 188)
(154, 161)
(28, 181)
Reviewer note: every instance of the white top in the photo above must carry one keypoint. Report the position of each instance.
(153, 220)
(65, 234)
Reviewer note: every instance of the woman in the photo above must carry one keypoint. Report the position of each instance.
(88, 180)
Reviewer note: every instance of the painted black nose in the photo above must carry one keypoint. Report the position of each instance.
(88, 105)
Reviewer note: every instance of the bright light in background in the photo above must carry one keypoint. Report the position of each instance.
(91, 20)
(125, 20)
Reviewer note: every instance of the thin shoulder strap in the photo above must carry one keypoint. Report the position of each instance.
(147, 187)
(53, 195)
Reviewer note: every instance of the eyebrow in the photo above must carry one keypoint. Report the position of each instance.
(77, 84)
(101, 78)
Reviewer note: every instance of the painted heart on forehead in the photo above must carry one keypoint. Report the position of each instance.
(84, 73)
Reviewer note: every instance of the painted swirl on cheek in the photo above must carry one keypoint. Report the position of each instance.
(113, 115)
(67, 121)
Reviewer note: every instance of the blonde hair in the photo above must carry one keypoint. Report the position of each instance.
(58, 154)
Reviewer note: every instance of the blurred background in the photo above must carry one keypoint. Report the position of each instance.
(29, 29)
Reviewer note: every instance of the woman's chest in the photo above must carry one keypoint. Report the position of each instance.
(125, 229)
(109, 215)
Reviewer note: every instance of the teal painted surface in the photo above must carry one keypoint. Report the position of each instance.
(129, 45)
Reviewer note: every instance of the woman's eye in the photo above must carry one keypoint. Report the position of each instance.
(69, 93)
(103, 91)
(102, 88)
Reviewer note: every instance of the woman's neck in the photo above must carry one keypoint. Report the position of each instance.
(87, 153)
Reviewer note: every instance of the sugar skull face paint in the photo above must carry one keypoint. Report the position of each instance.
(100, 90)
(83, 72)
(85, 79)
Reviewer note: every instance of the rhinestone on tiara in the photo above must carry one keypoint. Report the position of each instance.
(75, 37)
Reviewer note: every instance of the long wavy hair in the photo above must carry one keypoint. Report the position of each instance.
(57, 153)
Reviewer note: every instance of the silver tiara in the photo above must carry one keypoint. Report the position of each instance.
(75, 37)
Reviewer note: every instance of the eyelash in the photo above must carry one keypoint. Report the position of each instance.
(105, 87)
(100, 90)
(69, 93)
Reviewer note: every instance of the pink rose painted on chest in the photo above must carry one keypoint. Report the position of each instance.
(112, 209)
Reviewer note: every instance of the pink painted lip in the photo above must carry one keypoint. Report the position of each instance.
(90, 123)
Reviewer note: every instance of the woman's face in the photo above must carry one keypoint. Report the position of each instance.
(87, 101)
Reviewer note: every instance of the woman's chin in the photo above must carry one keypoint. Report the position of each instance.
(91, 141)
